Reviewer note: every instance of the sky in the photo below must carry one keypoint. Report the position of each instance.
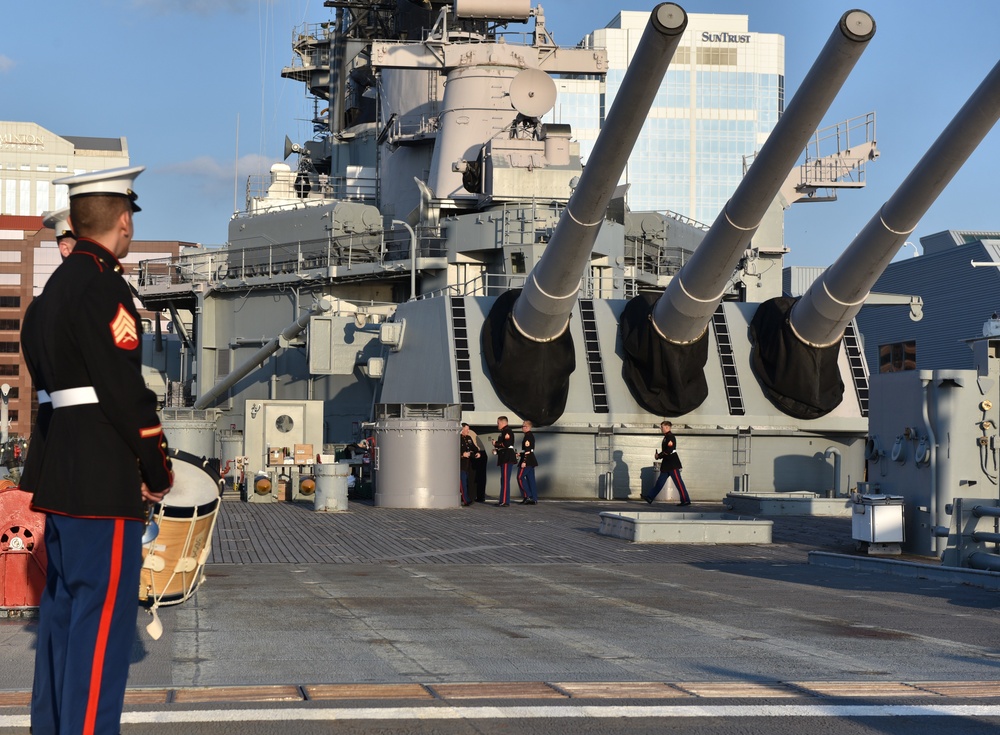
(195, 87)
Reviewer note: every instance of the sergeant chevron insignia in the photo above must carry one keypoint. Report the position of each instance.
(123, 329)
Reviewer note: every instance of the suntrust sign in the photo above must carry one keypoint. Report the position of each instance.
(709, 37)
(21, 141)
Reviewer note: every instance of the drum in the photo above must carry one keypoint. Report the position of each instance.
(173, 562)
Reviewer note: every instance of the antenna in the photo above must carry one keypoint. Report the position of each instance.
(532, 92)
(236, 167)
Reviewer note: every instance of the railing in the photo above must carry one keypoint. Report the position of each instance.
(650, 258)
(260, 194)
(389, 249)
(686, 220)
(494, 284)
(389, 252)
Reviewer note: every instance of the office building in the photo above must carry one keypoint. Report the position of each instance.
(721, 97)
(31, 157)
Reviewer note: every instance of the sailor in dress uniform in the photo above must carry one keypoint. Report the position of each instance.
(103, 458)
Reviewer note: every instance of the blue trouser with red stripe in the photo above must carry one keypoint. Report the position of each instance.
(675, 475)
(463, 486)
(86, 626)
(526, 481)
(505, 470)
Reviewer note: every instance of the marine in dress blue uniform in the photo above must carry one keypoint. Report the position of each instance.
(670, 466)
(468, 454)
(526, 465)
(66, 241)
(503, 447)
(101, 458)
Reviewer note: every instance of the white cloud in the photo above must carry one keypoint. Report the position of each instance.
(6, 64)
(212, 172)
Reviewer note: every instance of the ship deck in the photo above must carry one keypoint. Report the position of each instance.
(529, 604)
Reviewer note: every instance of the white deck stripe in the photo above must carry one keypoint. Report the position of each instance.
(327, 714)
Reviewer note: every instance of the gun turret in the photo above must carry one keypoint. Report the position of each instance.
(526, 343)
(797, 343)
(665, 344)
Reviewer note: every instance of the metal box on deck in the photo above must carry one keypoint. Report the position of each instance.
(878, 519)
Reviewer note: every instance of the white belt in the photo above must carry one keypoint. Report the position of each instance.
(43, 397)
(73, 397)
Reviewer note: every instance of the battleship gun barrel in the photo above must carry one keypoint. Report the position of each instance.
(664, 340)
(542, 311)
(821, 315)
(683, 312)
(289, 332)
(526, 344)
(796, 342)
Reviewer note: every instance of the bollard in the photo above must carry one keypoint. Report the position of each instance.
(331, 486)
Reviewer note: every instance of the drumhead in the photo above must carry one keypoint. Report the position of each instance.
(194, 485)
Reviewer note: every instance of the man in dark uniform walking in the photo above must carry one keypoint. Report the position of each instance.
(503, 448)
(670, 466)
(526, 466)
(103, 458)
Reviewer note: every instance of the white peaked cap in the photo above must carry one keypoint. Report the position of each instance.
(110, 182)
(58, 221)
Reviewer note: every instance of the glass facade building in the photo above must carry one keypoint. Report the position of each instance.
(719, 100)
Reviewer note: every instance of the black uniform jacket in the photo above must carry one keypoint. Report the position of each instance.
(528, 458)
(468, 446)
(668, 453)
(505, 447)
(84, 331)
(40, 429)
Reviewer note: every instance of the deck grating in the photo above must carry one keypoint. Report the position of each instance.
(551, 532)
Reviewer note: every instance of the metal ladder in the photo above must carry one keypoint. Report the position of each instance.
(463, 364)
(859, 369)
(734, 396)
(598, 384)
(603, 461)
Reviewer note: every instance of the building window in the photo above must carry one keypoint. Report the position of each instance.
(10, 325)
(13, 302)
(10, 369)
(10, 347)
(717, 56)
(896, 357)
